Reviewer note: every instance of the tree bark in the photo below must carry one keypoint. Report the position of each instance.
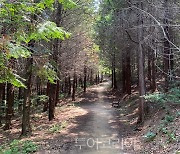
(45, 107)
(85, 76)
(52, 100)
(57, 92)
(74, 87)
(128, 72)
(26, 127)
(2, 87)
(9, 106)
(69, 85)
(142, 90)
(167, 50)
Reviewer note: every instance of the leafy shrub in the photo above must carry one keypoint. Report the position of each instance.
(149, 136)
(172, 96)
(43, 98)
(29, 147)
(58, 127)
(171, 137)
(19, 147)
(168, 119)
(39, 99)
(61, 95)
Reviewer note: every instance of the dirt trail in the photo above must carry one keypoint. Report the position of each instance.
(100, 131)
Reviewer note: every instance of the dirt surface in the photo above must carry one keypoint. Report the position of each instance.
(100, 130)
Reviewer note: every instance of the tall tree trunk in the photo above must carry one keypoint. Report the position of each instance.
(69, 85)
(142, 90)
(115, 80)
(128, 72)
(20, 97)
(52, 100)
(57, 92)
(2, 85)
(26, 127)
(112, 77)
(45, 107)
(153, 80)
(9, 107)
(91, 77)
(167, 50)
(54, 88)
(123, 73)
(149, 65)
(74, 87)
(114, 71)
(66, 85)
(85, 76)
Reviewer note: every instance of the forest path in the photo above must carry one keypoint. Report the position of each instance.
(101, 130)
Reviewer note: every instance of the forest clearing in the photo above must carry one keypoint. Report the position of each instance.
(89, 76)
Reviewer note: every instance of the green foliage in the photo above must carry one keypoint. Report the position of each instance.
(149, 136)
(19, 147)
(68, 4)
(58, 127)
(21, 29)
(43, 98)
(172, 96)
(48, 30)
(171, 137)
(7, 75)
(170, 134)
(17, 51)
(61, 95)
(47, 72)
(39, 99)
(168, 119)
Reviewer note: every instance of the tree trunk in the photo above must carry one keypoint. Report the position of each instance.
(128, 72)
(57, 92)
(69, 85)
(9, 106)
(114, 72)
(112, 77)
(26, 127)
(52, 100)
(2, 85)
(66, 85)
(20, 97)
(45, 107)
(149, 65)
(115, 81)
(167, 50)
(91, 77)
(153, 80)
(142, 91)
(74, 87)
(123, 73)
(85, 75)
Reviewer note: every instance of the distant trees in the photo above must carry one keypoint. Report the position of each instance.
(39, 59)
(145, 43)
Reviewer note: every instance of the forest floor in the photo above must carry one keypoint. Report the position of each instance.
(92, 126)
(100, 128)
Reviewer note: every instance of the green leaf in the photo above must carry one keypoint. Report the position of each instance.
(48, 30)
(17, 51)
(68, 4)
(149, 136)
